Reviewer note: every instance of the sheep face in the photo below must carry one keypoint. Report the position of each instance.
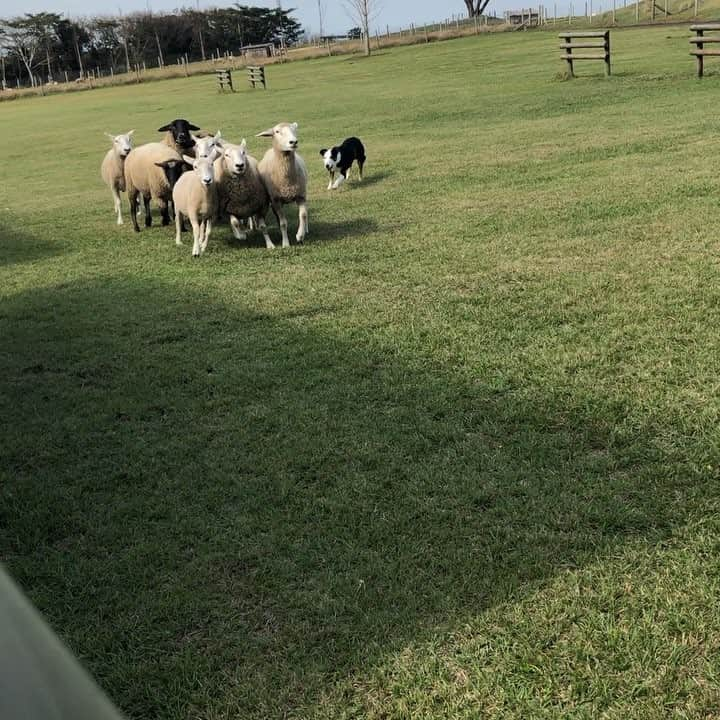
(284, 136)
(204, 146)
(203, 167)
(173, 169)
(235, 158)
(122, 144)
(181, 132)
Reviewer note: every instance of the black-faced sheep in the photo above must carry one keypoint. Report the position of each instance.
(151, 170)
(179, 136)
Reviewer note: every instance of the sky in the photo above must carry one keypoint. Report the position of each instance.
(395, 13)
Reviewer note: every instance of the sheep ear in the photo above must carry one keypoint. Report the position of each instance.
(294, 126)
(193, 127)
(130, 132)
(218, 136)
(165, 128)
(265, 133)
(112, 137)
(243, 144)
(194, 137)
(215, 154)
(322, 152)
(188, 160)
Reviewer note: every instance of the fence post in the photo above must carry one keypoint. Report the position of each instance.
(607, 53)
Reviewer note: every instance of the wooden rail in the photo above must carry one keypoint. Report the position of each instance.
(568, 45)
(700, 40)
(256, 74)
(224, 79)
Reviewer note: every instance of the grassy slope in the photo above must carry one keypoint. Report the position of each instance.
(457, 457)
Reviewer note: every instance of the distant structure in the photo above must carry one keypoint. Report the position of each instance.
(261, 50)
(528, 17)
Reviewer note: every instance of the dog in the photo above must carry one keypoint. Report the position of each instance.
(339, 159)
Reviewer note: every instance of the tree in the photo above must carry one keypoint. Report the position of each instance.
(362, 12)
(26, 36)
(476, 8)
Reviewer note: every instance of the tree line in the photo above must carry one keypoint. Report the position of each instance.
(43, 47)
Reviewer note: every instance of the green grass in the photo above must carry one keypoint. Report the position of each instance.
(457, 457)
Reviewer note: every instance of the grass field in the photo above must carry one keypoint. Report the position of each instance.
(456, 457)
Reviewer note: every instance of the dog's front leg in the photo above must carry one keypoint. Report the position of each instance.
(339, 181)
(332, 177)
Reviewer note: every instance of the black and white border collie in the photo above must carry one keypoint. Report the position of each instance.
(339, 159)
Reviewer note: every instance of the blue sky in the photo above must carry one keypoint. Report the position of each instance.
(391, 12)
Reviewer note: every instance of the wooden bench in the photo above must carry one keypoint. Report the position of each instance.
(256, 75)
(599, 40)
(700, 40)
(224, 79)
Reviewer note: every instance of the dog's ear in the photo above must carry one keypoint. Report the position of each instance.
(322, 152)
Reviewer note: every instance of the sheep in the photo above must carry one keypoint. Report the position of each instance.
(178, 136)
(204, 145)
(152, 170)
(285, 176)
(112, 169)
(195, 197)
(242, 193)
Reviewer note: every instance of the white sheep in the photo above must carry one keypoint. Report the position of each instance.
(112, 169)
(285, 176)
(241, 191)
(204, 145)
(151, 170)
(195, 197)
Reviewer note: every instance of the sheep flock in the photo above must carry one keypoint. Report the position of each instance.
(204, 178)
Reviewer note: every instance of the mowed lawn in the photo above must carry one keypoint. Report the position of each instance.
(456, 457)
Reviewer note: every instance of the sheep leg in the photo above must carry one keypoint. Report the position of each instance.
(134, 207)
(148, 216)
(118, 206)
(164, 211)
(282, 222)
(235, 225)
(260, 222)
(197, 236)
(303, 222)
(178, 228)
(206, 237)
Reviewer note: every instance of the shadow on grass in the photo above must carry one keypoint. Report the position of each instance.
(17, 247)
(320, 231)
(222, 509)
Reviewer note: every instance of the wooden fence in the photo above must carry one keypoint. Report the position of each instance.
(588, 40)
(699, 42)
